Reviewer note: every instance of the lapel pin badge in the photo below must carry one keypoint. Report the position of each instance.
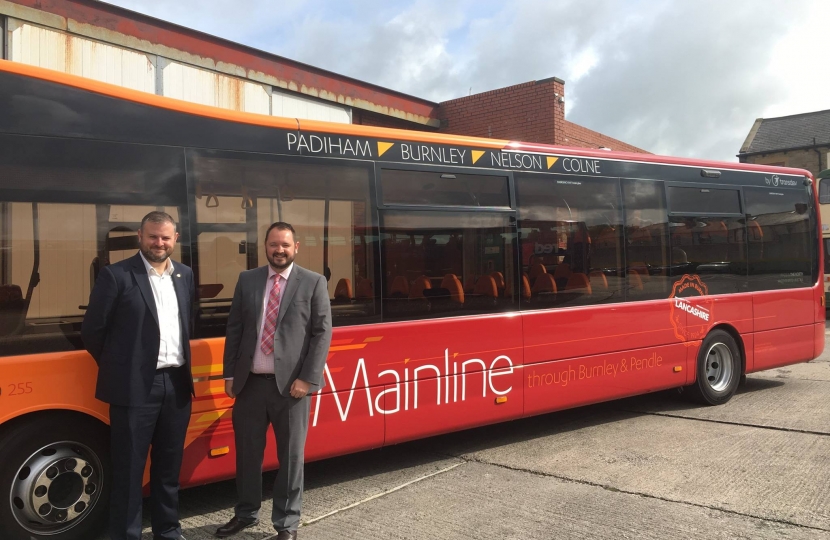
(178, 275)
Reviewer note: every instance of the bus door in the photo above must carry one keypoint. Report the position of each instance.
(450, 297)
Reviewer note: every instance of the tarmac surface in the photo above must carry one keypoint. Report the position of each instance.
(653, 466)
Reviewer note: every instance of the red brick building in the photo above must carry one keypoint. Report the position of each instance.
(115, 45)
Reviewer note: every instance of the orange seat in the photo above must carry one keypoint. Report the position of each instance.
(537, 270)
(640, 268)
(364, 288)
(756, 233)
(486, 286)
(524, 288)
(634, 281)
(544, 284)
(343, 290)
(418, 287)
(499, 277)
(598, 280)
(400, 286)
(579, 282)
(563, 271)
(453, 285)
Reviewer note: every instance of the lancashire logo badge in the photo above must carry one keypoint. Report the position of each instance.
(690, 321)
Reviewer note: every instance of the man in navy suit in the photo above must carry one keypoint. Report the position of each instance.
(137, 328)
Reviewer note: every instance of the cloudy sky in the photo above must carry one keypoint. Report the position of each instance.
(678, 77)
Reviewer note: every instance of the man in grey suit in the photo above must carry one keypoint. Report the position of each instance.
(278, 336)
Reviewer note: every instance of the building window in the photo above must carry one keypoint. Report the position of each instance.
(824, 191)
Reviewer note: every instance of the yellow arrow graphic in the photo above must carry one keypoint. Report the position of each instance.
(551, 161)
(383, 147)
(477, 155)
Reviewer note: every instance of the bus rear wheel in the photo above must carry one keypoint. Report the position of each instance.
(56, 479)
(718, 369)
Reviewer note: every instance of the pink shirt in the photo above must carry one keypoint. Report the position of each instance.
(264, 363)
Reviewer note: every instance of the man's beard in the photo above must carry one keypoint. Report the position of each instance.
(150, 256)
(277, 266)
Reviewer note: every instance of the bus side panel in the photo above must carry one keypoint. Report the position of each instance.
(207, 431)
(776, 348)
(558, 334)
(464, 401)
(749, 351)
(819, 330)
(446, 375)
(551, 386)
(734, 310)
(208, 383)
(819, 301)
(343, 422)
(328, 435)
(783, 308)
(49, 381)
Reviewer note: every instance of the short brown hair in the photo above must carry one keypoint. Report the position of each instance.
(280, 226)
(158, 217)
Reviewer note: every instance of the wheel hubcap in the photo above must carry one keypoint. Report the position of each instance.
(56, 488)
(719, 367)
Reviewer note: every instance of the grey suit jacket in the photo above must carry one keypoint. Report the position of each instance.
(303, 334)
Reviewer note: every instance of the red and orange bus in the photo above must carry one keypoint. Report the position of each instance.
(472, 281)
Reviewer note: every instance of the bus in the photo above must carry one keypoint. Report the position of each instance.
(472, 281)
(823, 180)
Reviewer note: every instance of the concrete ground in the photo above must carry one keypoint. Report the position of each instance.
(647, 467)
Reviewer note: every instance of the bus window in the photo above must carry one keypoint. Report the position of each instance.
(437, 264)
(425, 188)
(706, 240)
(781, 236)
(67, 210)
(646, 239)
(570, 231)
(238, 196)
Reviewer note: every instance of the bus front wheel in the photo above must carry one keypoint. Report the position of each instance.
(55, 478)
(718, 369)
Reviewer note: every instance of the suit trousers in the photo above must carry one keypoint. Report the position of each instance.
(161, 422)
(257, 405)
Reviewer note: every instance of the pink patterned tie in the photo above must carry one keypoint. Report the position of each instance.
(271, 313)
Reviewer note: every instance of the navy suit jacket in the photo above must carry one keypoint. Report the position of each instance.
(121, 329)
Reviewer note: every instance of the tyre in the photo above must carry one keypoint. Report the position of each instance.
(718, 369)
(54, 479)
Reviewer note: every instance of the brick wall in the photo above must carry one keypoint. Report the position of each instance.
(576, 135)
(801, 159)
(527, 112)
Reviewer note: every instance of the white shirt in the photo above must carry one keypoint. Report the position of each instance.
(171, 353)
(264, 363)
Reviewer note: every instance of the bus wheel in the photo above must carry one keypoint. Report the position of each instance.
(56, 476)
(718, 369)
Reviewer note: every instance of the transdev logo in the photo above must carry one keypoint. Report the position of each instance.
(776, 181)
(690, 320)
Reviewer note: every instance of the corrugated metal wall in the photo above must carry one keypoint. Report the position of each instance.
(45, 47)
